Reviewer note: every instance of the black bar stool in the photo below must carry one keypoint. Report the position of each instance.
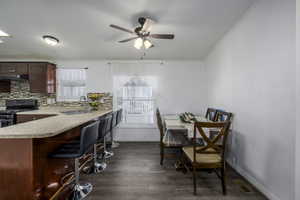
(107, 154)
(119, 116)
(88, 138)
(100, 166)
(113, 126)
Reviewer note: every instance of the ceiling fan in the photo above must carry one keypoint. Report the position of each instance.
(142, 34)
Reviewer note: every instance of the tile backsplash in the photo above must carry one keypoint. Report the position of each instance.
(20, 90)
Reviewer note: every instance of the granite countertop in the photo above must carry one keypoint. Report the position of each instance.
(49, 126)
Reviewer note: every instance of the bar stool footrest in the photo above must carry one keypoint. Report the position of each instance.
(81, 191)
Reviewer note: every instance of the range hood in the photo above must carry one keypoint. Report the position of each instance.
(14, 77)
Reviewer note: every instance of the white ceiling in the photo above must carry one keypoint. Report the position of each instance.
(82, 26)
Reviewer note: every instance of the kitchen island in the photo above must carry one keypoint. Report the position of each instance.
(26, 171)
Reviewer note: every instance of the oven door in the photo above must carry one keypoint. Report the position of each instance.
(7, 119)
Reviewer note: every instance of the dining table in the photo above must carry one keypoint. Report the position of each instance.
(178, 132)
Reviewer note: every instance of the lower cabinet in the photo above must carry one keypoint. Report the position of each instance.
(26, 118)
(4, 86)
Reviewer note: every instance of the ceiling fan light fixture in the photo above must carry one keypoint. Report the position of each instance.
(138, 43)
(52, 41)
(147, 44)
(3, 34)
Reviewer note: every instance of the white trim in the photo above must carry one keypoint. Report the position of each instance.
(137, 126)
(254, 182)
(111, 62)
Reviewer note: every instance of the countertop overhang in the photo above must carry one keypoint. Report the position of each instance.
(50, 126)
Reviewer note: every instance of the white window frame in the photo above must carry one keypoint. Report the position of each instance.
(120, 98)
(74, 80)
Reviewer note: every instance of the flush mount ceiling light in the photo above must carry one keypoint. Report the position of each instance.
(50, 40)
(3, 34)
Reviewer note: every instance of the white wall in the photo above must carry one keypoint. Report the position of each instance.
(297, 185)
(181, 87)
(251, 73)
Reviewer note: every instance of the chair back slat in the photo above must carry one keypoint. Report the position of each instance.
(160, 124)
(211, 114)
(222, 116)
(211, 145)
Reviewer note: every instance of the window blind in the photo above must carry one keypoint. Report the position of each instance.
(71, 84)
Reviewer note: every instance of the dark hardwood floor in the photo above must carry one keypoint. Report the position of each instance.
(134, 173)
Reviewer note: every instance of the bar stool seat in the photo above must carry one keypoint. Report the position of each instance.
(67, 151)
(74, 144)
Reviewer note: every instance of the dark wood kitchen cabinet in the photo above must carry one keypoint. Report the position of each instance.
(51, 79)
(42, 78)
(4, 86)
(13, 68)
(41, 75)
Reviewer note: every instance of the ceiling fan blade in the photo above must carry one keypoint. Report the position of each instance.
(121, 28)
(129, 39)
(162, 36)
(147, 25)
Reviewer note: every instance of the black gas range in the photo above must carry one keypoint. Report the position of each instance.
(9, 117)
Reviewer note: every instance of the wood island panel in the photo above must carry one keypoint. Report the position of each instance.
(26, 170)
(16, 169)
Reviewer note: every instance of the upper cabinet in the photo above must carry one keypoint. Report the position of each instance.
(41, 75)
(51, 78)
(13, 68)
(42, 78)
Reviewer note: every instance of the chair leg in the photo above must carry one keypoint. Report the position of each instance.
(194, 180)
(223, 177)
(183, 162)
(161, 155)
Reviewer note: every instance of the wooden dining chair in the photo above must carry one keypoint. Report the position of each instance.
(211, 114)
(221, 116)
(211, 155)
(163, 145)
(162, 132)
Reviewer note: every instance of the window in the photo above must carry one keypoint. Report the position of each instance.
(135, 96)
(71, 84)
